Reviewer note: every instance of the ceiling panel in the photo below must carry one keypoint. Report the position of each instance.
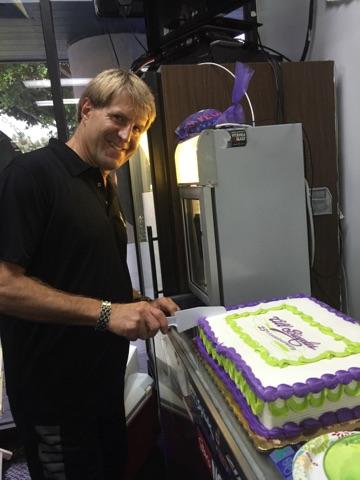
(21, 38)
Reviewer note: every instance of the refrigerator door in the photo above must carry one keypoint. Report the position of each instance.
(261, 214)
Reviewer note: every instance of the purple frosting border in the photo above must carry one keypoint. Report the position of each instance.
(284, 391)
(289, 429)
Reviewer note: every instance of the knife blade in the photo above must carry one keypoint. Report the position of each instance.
(185, 319)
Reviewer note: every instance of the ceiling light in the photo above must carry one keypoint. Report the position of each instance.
(50, 103)
(65, 82)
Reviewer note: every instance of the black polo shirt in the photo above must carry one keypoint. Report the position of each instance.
(56, 223)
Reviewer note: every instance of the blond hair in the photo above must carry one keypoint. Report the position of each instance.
(107, 85)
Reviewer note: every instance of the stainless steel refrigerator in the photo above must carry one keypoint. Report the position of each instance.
(243, 200)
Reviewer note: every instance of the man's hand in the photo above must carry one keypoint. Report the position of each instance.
(141, 319)
(166, 304)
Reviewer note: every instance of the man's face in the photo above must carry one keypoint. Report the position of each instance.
(111, 134)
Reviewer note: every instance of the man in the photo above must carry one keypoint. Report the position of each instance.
(66, 300)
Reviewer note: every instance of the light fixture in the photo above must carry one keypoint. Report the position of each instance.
(186, 161)
(18, 4)
(65, 82)
(50, 103)
(240, 38)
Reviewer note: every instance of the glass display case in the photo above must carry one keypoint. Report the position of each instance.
(202, 437)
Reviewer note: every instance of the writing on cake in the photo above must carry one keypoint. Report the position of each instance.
(295, 336)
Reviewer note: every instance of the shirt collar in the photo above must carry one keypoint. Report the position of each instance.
(71, 160)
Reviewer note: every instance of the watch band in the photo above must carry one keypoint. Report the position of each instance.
(104, 317)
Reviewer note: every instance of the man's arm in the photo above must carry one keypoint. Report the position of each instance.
(30, 299)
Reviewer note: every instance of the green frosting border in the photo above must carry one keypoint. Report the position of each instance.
(350, 347)
(280, 407)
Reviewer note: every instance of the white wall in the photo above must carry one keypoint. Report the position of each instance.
(284, 25)
(336, 36)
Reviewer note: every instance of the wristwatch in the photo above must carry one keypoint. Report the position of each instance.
(104, 317)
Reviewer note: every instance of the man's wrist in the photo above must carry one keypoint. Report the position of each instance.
(104, 316)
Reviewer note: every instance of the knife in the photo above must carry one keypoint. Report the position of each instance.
(185, 319)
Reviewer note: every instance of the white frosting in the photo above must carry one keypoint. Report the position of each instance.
(273, 376)
(299, 339)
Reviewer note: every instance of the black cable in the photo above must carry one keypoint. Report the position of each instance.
(317, 275)
(308, 31)
(279, 115)
(278, 53)
(342, 277)
(113, 48)
(139, 42)
(309, 175)
(133, 34)
(263, 47)
(106, 31)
